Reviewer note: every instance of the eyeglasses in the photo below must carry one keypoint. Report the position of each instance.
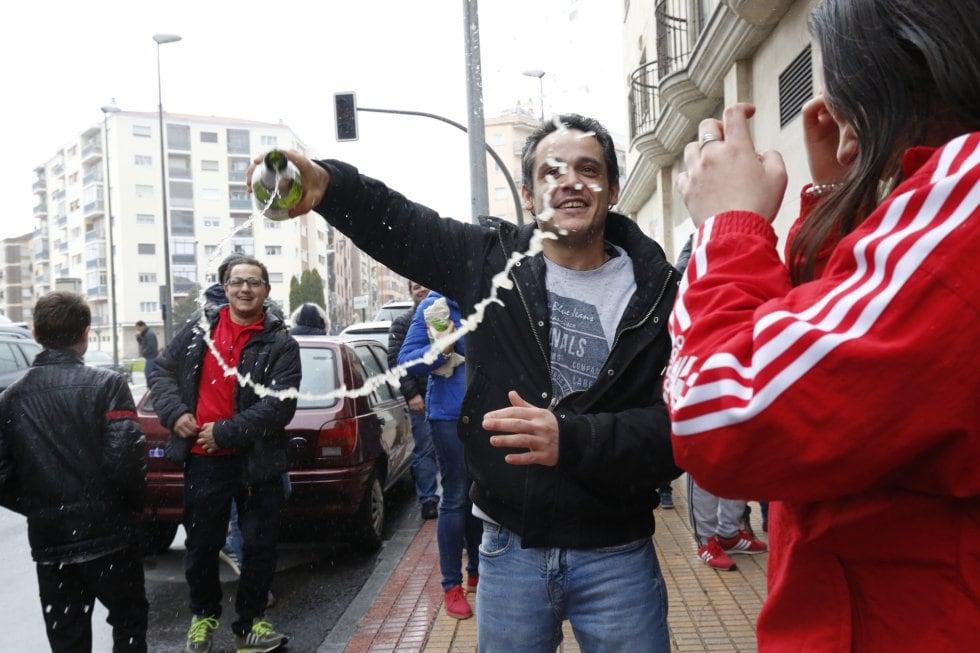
(252, 282)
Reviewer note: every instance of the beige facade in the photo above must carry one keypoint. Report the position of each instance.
(115, 164)
(688, 59)
(16, 297)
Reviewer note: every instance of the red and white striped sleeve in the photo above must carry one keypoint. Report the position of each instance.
(869, 374)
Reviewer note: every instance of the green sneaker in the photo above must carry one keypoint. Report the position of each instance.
(260, 639)
(200, 637)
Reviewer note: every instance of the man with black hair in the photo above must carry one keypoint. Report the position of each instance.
(232, 442)
(149, 349)
(564, 427)
(73, 460)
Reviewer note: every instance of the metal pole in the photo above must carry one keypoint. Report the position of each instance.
(474, 106)
(167, 295)
(106, 110)
(490, 151)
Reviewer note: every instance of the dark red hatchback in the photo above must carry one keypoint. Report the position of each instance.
(344, 453)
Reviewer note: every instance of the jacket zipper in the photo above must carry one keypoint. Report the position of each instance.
(670, 273)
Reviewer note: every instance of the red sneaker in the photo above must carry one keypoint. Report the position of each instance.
(743, 542)
(457, 606)
(714, 556)
(471, 582)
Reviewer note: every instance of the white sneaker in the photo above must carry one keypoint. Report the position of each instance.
(231, 559)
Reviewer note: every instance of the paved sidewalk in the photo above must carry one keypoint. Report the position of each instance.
(710, 611)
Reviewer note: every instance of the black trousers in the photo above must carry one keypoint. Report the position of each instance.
(210, 484)
(68, 592)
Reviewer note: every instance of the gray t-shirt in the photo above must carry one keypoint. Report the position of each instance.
(585, 307)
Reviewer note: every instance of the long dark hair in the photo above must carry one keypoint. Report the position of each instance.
(901, 73)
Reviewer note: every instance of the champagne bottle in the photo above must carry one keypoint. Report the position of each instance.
(276, 186)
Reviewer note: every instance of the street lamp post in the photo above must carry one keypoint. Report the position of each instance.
(166, 291)
(106, 110)
(540, 75)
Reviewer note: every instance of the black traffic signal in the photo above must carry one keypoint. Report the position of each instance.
(345, 108)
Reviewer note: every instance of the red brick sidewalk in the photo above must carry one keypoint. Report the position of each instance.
(401, 616)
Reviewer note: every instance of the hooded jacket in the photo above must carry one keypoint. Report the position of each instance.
(309, 322)
(614, 437)
(73, 458)
(444, 395)
(257, 430)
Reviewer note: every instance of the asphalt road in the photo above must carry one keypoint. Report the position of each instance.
(322, 589)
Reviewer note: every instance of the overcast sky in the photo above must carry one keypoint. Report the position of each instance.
(284, 60)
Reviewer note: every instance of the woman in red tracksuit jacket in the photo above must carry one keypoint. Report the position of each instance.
(846, 384)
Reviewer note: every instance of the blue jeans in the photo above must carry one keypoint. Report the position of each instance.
(425, 468)
(614, 597)
(456, 526)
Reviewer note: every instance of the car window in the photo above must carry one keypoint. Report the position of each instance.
(10, 360)
(30, 350)
(373, 368)
(319, 376)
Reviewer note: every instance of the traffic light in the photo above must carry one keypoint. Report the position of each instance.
(345, 108)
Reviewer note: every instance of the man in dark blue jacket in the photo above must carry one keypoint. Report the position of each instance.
(73, 459)
(564, 426)
(232, 442)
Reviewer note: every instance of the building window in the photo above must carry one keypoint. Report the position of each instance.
(273, 250)
(209, 137)
(238, 141)
(142, 161)
(209, 166)
(795, 87)
(275, 277)
(210, 250)
(212, 222)
(498, 138)
(182, 223)
(179, 137)
(149, 307)
(148, 277)
(269, 141)
(146, 248)
(142, 131)
(144, 191)
(145, 218)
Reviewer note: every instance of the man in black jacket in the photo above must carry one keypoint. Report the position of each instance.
(73, 459)
(564, 427)
(232, 442)
(149, 350)
(425, 467)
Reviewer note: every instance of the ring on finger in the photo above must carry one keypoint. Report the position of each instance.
(707, 137)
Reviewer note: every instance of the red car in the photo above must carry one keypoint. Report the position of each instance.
(343, 453)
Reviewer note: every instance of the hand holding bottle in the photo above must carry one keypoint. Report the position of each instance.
(315, 180)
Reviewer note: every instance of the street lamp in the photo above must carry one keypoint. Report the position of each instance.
(106, 110)
(166, 292)
(540, 75)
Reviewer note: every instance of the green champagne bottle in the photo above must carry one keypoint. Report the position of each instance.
(276, 186)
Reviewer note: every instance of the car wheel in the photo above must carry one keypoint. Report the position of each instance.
(369, 521)
(156, 536)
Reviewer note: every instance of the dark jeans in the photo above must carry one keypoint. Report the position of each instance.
(68, 592)
(210, 485)
(148, 368)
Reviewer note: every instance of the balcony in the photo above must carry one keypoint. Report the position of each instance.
(91, 151)
(95, 264)
(94, 234)
(183, 287)
(236, 176)
(240, 204)
(97, 292)
(91, 177)
(40, 186)
(93, 208)
(41, 210)
(179, 173)
(58, 169)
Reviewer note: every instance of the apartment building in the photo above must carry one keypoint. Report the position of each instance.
(16, 296)
(688, 59)
(114, 168)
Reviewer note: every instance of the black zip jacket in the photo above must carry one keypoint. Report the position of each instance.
(73, 458)
(614, 438)
(258, 427)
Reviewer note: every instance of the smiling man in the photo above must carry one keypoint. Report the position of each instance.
(564, 431)
(232, 443)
